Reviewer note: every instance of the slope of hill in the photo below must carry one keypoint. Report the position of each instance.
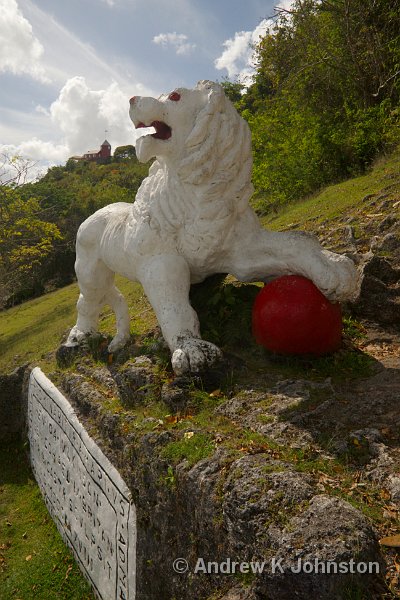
(291, 440)
(40, 221)
(347, 217)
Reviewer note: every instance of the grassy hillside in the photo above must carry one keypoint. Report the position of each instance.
(32, 330)
(336, 201)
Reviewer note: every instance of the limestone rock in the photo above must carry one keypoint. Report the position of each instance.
(137, 381)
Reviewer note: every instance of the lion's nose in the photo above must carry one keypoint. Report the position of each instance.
(132, 100)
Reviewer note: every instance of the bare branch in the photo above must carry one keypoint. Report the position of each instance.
(385, 83)
(14, 170)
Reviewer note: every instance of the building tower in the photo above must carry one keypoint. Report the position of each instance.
(105, 150)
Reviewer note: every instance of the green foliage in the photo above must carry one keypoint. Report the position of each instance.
(288, 149)
(169, 479)
(224, 307)
(26, 240)
(233, 90)
(69, 195)
(325, 96)
(353, 329)
(125, 153)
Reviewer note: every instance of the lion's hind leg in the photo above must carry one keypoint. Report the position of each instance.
(96, 284)
(94, 280)
(120, 308)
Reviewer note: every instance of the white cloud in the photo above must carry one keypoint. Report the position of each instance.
(179, 41)
(285, 4)
(42, 110)
(237, 58)
(81, 116)
(43, 151)
(20, 50)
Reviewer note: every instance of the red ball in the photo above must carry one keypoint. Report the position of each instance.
(291, 316)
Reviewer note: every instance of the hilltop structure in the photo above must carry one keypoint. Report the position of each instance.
(99, 156)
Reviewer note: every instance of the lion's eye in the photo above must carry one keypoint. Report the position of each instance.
(174, 96)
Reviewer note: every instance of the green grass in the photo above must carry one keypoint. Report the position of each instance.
(34, 329)
(34, 562)
(335, 200)
(193, 448)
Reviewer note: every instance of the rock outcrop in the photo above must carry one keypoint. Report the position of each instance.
(262, 487)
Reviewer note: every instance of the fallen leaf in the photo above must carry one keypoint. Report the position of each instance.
(397, 565)
(216, 394)
(323, 477)
(393, 541)
(171, 419)
(29, 557)
(390, 514)
(68, 572)
(5, 546)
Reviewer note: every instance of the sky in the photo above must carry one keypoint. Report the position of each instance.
(69, 67)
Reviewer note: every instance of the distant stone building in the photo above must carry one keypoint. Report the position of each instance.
(99, 156)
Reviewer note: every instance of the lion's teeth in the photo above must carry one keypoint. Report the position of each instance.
(145, 131)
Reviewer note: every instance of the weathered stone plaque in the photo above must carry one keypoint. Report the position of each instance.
(85, 495)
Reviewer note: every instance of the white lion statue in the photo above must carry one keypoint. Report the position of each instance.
(191, 219)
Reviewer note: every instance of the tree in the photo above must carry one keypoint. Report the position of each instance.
(233, 90)
(26, 238)
(325, 96)
(125, 153)
(40, 218)
(14, 170)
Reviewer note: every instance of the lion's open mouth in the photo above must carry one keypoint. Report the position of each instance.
(163, 131)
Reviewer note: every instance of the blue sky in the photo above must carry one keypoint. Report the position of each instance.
(68, 68)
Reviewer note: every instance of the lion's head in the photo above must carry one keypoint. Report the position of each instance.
(201, 138)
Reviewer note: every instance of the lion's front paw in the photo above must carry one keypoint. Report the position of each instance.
(118, 342)
(75, 337)
(337, 277)
(194, 355)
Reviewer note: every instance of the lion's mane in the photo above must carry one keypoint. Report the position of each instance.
(211, 185)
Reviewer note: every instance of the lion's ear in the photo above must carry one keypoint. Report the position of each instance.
(206, 84)
(215, 91)
(215, 103)
(216, 96)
